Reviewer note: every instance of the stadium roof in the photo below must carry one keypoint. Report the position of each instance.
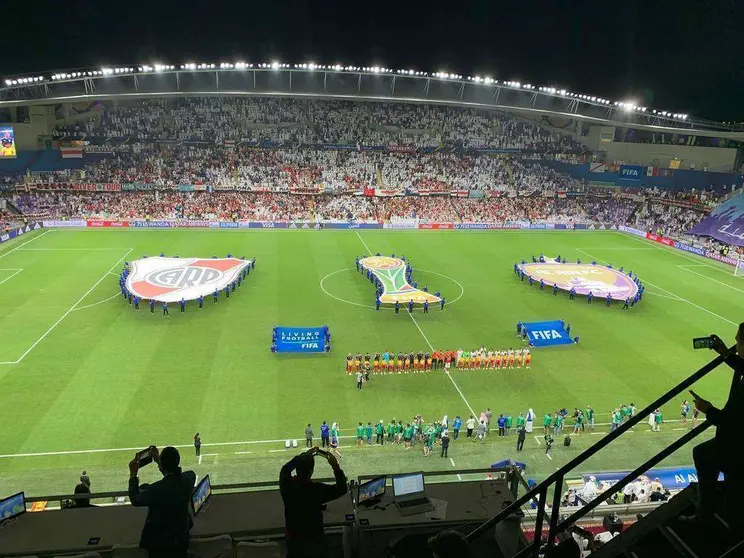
(346, 82)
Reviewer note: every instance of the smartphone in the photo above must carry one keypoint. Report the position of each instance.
(702, 343)
(144, 456)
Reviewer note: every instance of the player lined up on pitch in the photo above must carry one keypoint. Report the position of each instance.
(390, 362)
(134, 299)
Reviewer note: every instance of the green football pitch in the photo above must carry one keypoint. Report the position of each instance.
(85, 380)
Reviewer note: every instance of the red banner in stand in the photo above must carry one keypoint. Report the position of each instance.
(115, 224)
(660, 239)
(436, 226)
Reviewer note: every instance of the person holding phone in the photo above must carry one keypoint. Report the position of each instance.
(719, 455)
(166, 529)
(304, 501)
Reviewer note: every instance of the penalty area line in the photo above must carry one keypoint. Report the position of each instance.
(112, 297)
(71, 309)
(24, 244)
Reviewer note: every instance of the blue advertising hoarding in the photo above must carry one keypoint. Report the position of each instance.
(671, 478)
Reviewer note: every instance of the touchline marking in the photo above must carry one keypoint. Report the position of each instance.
(48, 331)
(359, 236)
(200, 458)
(242, 452)
(671, 293)
(537, 440)
(548, 456)
(70, 249)
(22, 245)
(699, 275)
(452, 461)
(222, 444)
(112, 297)
(17, 271)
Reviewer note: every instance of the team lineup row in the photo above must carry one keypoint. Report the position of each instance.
(388, 362)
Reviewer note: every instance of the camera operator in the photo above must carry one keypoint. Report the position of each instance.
(719, 455)
(304, 502)
(166, 529)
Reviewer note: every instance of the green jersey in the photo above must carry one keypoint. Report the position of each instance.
(659, 418)
(558, 421)
(334, 432)
(368, 431)
(590, 414)
(580, 420)
(617, 417)
(408, 432)
(437, 430)
(391, 428)
(547, 421)
(509, 422)
(399, 428)
(432, 437)
(625, 412)
(360, 431)
(520, 421)
(379, 429)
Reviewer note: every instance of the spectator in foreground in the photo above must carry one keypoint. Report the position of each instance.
(448, 544)
(716, 455)
(304, 501)
(82, 488)
(166, 529)
(85, 479)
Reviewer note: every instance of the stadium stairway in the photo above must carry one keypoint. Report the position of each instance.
(662, 533)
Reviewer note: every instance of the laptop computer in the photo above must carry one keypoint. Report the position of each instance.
(409, 494)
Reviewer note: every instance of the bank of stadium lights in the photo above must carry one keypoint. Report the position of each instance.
(24, 81)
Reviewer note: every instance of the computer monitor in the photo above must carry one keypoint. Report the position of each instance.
(371, 490)
(405, 485)
(12, 506)
(201, 495)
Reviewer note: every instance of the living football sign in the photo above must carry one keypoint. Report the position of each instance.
(173, 279)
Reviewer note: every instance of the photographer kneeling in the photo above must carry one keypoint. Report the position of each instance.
(304, 501)
(166, 530)
(719, 454)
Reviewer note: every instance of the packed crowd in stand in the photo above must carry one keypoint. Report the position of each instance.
(282, 206)
(221, 119)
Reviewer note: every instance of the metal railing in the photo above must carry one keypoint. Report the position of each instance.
(540, 491)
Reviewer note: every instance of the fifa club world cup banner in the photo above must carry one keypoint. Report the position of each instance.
(583, 278)
(300, 339)
(547, 334)
(173, 279)
(725, 223)
(13, 233)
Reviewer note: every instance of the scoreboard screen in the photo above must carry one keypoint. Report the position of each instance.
(7, 143)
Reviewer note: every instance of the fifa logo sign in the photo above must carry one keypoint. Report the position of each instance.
(631, 172)
(546, 334)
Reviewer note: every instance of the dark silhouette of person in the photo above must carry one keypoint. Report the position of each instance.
(304, 501)
(719, 455)
(166, 530)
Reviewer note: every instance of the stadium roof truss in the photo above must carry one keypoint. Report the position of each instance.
(347, 83)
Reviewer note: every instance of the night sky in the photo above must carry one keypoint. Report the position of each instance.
(684, 56)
